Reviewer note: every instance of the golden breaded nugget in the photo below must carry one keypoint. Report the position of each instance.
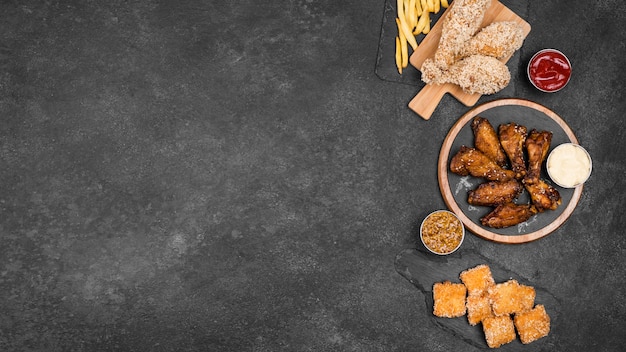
(477, 279)
(498, 330)
(533, 324)
(449, 299)
(511, 297)
(478, 308)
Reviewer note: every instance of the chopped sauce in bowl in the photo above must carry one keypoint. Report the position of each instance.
(549, 70)
(442, 232)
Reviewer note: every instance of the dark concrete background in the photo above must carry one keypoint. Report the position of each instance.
(233, 176)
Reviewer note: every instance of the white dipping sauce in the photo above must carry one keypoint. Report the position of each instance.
(569, 165)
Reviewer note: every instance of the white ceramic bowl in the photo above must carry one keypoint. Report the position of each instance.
(442, 232)
(569, 165)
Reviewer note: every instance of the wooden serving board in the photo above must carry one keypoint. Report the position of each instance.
(424, 269)
(427, 99)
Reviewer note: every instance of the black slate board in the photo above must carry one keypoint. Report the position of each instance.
(424, 269)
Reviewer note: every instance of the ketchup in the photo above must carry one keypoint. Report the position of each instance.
(549, 70)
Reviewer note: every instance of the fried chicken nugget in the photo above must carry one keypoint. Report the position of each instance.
(478, 308)
(533, 324)
(477, 279)
(498, 330)
(511, 297)
(461, 23)
(449, 299)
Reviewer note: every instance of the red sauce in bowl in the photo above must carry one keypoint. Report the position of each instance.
(549, 70)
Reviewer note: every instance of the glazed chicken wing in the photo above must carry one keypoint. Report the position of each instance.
(537, 145)
(512, 137)
(493, 193)
(486, 140)
(471, 161)
(508, 214)
(542, 195)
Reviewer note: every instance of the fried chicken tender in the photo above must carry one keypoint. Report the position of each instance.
(471, 161)
(475, 74)
(512, 138)
(508, 214)
(486, 140)
(499, 40)
(493, 193)
(461, 23)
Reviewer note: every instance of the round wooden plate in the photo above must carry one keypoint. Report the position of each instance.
(454, 188)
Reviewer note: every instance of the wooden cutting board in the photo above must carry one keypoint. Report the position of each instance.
(427, 99)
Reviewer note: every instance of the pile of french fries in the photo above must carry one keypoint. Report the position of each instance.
(413, 19)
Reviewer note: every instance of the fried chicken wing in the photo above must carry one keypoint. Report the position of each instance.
(499, 40)
(493, 193)
(512, 137)
(476, 74)
(542, 195)
(486, 140)
(461, 23)
(508, 214)
(471, 161)
(537, 145)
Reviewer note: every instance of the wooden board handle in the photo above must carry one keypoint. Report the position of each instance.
(426, 101)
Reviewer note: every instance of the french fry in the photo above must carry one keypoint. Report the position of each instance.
(421, 24)
(411, 13)
(404, 50)
(413, 19)
(407, 33)
(398, 55)
(427, 25)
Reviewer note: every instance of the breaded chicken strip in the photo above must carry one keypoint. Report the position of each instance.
(474, 74)
(499, 39)
(461, 23)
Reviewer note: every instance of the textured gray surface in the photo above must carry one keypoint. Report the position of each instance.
(234, 176)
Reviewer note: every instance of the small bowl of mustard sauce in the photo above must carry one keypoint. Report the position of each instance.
(569, 165)
(442, 232)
